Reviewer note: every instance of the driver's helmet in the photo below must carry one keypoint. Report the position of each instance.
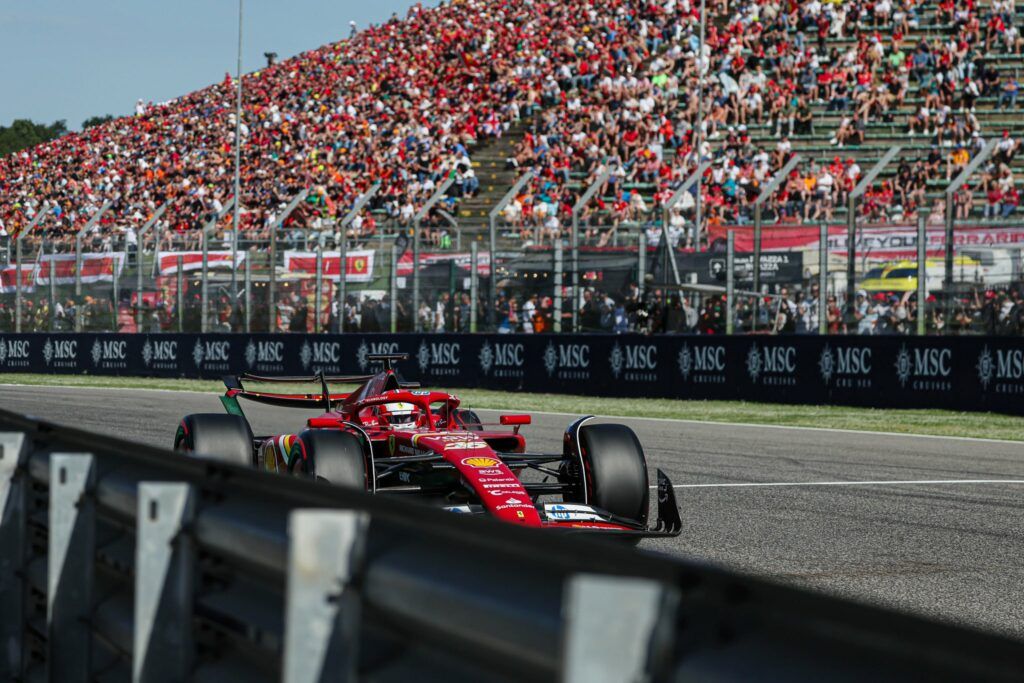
(398, 413)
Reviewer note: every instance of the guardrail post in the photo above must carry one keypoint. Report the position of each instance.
(730, 282)
(322, 607)
(617, 629)
(13, 519)
(71, 558)
(162, 647)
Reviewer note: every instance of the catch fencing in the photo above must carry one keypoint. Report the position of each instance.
(958, 373)
(127, 562)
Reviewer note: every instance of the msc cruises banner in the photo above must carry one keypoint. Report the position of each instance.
(962, 373)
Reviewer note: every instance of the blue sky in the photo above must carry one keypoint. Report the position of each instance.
(72, 59)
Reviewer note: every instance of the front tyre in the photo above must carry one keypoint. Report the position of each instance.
(217, 436)
(614, 476)
(332, 456)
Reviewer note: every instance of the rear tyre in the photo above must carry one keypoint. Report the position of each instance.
(216, 436)
(469, 419)
(331, 456)
(614, 472)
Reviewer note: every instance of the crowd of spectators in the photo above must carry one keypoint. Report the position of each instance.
(763, 64)
(402, 103)
(613, 85)
(618, 87)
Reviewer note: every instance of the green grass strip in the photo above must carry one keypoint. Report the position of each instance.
(933, 422)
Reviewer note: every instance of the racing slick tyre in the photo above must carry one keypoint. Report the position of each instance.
(332, 456)
(216, 436)
(615, 471)
(469, 419)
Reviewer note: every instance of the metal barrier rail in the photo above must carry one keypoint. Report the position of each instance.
(127, 562)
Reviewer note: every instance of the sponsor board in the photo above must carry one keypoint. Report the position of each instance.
(503, 360)
(567, 360)
(265, 356)
(924, 368)
(772, 365)
(159, 353)
(634, 362)
(1001, 370)
(320, 356)
(956, 372)
(109, 354)
(846, 367)
(439, 358)
(211, 355)
(15, 353)
(702, 363)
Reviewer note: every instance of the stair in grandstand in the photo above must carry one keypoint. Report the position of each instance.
(490, 166)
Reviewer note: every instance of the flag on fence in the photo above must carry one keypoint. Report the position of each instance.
(463, 261)
(95, 268)
(358, 266)
(193, 260)
(9, 278)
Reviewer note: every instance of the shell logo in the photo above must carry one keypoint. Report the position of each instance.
(480, 462)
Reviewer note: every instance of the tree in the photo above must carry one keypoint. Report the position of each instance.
(96, 121)
(25, 133)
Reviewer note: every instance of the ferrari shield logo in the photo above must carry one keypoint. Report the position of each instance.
(391, 444)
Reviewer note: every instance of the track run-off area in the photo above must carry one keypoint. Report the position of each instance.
(928, 525)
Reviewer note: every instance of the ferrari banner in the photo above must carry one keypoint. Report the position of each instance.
(358, 264)
(95, 268)
(462, 261)
(193, 260)
(882, 242)
(9, 278)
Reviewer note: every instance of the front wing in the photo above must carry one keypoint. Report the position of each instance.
(580, 518)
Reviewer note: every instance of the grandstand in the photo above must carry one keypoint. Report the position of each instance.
(481, 91)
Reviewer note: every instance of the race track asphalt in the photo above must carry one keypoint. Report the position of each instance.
(949, 551)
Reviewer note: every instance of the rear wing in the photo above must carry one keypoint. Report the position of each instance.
(324, 398)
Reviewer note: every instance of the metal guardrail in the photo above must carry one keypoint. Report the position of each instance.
(127, 562)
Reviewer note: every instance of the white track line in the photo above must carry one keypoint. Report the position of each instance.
(909, 482)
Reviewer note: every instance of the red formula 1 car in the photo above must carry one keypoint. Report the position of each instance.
(390, 436)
